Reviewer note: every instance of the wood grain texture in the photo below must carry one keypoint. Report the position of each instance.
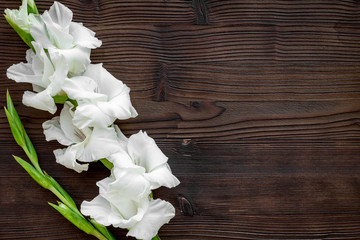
(256, 104)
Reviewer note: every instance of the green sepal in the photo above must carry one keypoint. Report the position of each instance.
(25, 36)
(78, 220)
(30, 151)
(74, 102)
(31, 7)
(13, 113)
(35, 174)
(66, 197)
(60, 99)
(102, 229)
(17, 134)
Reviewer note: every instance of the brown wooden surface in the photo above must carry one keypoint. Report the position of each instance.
(256, 103)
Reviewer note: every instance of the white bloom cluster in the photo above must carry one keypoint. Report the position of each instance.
(58, 66)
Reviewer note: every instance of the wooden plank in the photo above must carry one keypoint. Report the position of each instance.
(308, 120)
(325, 12)
(320, 197)
(256, 103)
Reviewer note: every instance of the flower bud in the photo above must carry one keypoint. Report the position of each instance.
(19, 20)
(35, 174)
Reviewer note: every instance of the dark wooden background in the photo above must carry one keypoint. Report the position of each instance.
(256, 103)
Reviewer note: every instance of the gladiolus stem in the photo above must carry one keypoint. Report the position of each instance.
(67, 206)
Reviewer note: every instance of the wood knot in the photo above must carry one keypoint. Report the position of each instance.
(161, 94)
(195, 104)
(185, 205)
(201, 10)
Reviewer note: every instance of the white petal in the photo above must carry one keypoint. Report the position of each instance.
(58, 36)
(126, 207)
(101, 144)
(60, 15)
(145, 152)
(90, 115)
(128, 210)
(70, 131)
(120, 106)
(111, 100)
(22, 72)
(41, 64)
(122, 160)
(123, 140)
(77, 58)
(29, 55)
(159, 212)
(53, 131)
(83, 36)
(37, 31)
(104, 213)
(39, 70)
(37, 88)
(108, 84)
(59, 76)
(67, 157)
(42, 101)
(100, 210)
(162, 176)
(130, 184)
(81, 87)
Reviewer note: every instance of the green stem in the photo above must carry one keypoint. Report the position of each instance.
(98, 235)
(67, 207)
(107, 163)
(102, 229)
(33, 159)
(64, 199)
(156, 237)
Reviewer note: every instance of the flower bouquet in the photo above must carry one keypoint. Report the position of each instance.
(59, 68)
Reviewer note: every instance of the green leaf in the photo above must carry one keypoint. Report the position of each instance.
(35, 174)
(25, 36)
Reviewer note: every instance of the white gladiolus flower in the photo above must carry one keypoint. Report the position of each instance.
(142, 151)
(55, 31)
(102, 98)
(45, 74)
(85, 145)
(123, 202)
